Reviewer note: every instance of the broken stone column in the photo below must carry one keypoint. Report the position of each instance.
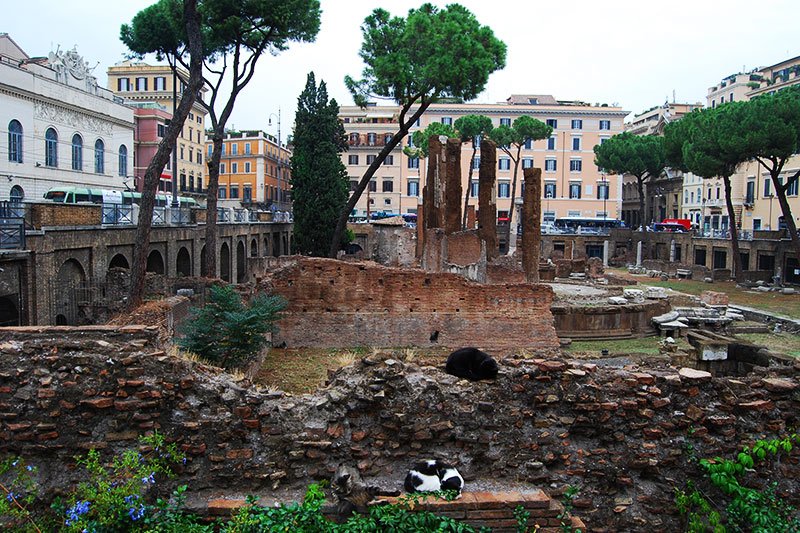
(639, 253)
(433, 194)
(531, 229)
(487, 199)
(452, 184)
(605, 254)
(672, 251)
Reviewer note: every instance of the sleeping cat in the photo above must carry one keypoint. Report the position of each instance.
(472, 364)
(352, 494)
(433, 475)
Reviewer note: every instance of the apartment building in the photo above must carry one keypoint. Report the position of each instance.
(62, 129)
(573, 185)
(137, 83)
(752, 192)
(664, 193)
(254, 170)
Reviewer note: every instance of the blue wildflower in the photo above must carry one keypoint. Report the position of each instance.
(184, 460)
(10, 496)
(149, 479)
(15, 462)
(29, 468)
(136, 513)
(74, 512)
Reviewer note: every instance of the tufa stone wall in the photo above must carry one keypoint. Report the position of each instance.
(621, 435)
(342, 304)
(53, 214)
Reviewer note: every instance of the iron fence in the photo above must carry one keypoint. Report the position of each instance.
(114, 214)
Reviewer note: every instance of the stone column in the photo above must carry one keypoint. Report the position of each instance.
(433, 201)
(531, 227)
(639, 254)
(672, 251)
(452, 187)
(487, 199)
(605, 253)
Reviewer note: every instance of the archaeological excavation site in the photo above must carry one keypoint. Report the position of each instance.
(596, 440)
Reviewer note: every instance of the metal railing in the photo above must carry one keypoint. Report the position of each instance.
(181, 216)
(12, 225)
(117, 214)
(159, 216)
(744, 235)
(223, 215)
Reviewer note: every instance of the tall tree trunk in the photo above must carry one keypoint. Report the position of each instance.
(780, 192)
(737, 257)
(153, 174)
(469, 186)
(341, 224)
(509, 235)
(211, 205)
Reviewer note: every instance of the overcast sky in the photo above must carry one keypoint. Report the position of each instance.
(631, 52)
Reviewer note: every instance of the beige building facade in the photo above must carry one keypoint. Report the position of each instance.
(137, 82)
(573, 186)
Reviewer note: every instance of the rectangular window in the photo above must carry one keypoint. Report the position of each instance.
(528, 144)
(387, 186)
(221, 193)
(371, 139)
(504, 163)
(504, 190)
(527, 162)
(550, 165)
(476, 163)
(160, 84)
(575, 165)
(413, 188)
(124, 84)
(577, 124)
(352, 159)
(447, 121)
(199, 156)
(767, 190)
(353, 185)
(373, 186)
(247, 166)
(602, 191)
(505, 122)
(573, 213)
(575, 190)
(191, 155)
(234, 191)
(576, 144)
(553, 123)
(549, 190)
(730, 98)
(247, 148)
(475, 189)
(751, 192)
(791, 190)
(234, 146)
(389, 160)
(551, 143)
(756, 224)
(413, 162)
(210, 150)
(387, 201)
(222, 168)
(247, 193)
(370, 159)
(549, 216)
(605, 124)
(162, 130)
(181, 157)
(222, 151)
(141, 84)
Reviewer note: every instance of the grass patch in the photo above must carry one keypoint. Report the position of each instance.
(300, 371)
(785, 343)
(641, 346)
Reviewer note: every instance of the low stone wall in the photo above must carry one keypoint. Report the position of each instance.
(342, 304)
(607, 321)
(622, 436)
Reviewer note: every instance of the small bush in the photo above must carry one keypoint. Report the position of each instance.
(226, 331)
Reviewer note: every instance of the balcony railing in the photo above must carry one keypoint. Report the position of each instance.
(117, 214)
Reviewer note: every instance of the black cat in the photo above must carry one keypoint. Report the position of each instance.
(472, 364)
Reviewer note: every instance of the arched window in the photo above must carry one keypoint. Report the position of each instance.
(15, 141)
(51, 148)
(77, 152)
(123, 160)
(17, 194)
(99, 157)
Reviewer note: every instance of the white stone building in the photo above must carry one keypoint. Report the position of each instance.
(59, 127)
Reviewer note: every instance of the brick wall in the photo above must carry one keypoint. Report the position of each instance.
(620, 435)
(341, 304)
(65, 215)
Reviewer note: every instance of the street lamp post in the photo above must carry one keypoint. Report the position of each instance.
(280, 155)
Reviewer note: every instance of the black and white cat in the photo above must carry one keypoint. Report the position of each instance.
(472, 364)
(353, 494)
(433, 475)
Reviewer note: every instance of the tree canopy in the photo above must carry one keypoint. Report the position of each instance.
(640, 155)
(421, 138)
(319, 178)
(432, 53)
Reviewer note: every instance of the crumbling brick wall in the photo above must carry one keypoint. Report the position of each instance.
(621, 435)
(341, 304)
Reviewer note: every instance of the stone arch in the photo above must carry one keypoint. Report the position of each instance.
(119, 261)
(155, 263)
(183, 262)
(9, 313)
(71, 276)
(254, 248)
(225, 262)
(71, 272)
(240, 262)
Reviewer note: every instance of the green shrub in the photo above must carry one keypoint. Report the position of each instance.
(226, 331)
